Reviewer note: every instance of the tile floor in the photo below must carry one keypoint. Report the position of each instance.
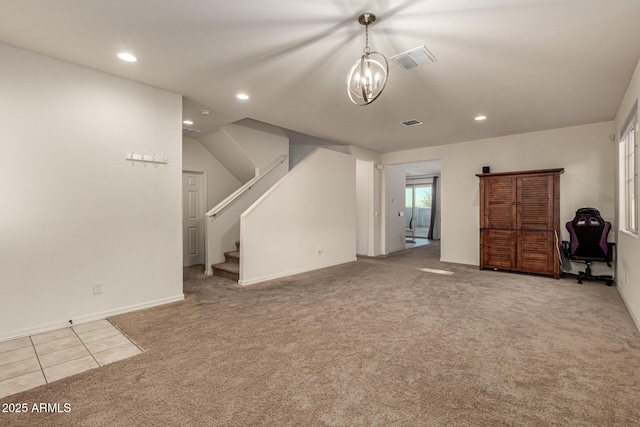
(32, 361)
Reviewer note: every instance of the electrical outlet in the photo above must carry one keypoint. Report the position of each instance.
(97, 288)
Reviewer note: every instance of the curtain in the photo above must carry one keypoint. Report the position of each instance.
(434, 226)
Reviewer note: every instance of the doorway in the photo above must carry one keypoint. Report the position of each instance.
(418, 210)
(193, 209)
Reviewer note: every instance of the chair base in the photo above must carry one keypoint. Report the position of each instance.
(586, 275)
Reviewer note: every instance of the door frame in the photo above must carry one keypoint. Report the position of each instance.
(204, 199)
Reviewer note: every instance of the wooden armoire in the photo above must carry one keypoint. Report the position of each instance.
(520, 221)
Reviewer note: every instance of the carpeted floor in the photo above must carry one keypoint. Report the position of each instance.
(373, 342)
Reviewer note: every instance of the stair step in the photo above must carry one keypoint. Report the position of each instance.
(229, 270)
(232, 257)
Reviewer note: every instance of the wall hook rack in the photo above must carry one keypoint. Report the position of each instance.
(145, 158)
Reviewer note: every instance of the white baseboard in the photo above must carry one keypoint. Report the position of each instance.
(291, 272)
(87, 318)
(633, 316)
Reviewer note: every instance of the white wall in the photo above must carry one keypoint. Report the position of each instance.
(74, 211)
(365, 154)
(394, 193)
(262, 142)
(376, 226)
(628, 245)
(585, 152)
(365, 216)
(302, 145)
(304, 222)
(220, 182)
(235, 159)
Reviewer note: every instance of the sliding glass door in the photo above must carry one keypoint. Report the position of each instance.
(418, 210)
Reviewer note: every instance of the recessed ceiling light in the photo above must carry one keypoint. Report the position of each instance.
(480, 118)
(187, 122)
(126, 56)
(242, 96)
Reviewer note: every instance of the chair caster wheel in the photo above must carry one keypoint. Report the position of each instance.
(580, 281)
(609, 283)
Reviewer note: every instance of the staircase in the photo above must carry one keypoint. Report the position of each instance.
(230, 268)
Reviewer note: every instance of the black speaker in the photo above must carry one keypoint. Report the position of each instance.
(486, 169)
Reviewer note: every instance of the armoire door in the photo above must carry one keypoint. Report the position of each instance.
(535, 251)
(535, 203)
(499, 249)
(499, 209)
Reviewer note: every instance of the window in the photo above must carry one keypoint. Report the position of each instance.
(629, 169)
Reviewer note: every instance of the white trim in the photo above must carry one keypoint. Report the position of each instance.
(635, 319)
(629, 233)
(291, 273)
(87, 318)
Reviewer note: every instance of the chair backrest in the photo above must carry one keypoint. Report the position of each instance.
(588, 234)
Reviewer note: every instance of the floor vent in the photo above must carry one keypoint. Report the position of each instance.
(412, 122)
(414, 57)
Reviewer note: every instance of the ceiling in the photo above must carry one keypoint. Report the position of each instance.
(419, 169)
(525, 64)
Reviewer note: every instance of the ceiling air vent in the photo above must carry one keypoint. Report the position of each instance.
(412, 122)
(414, 57)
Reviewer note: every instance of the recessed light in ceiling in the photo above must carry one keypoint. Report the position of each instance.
(187, 122)
(242, 96)
(480, 118)
(126, 56)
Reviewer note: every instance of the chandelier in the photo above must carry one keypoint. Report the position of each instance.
(368, 77)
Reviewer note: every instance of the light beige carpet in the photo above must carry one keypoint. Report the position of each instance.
(373, 342)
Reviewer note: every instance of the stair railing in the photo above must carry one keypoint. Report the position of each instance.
(246, 187)
(228, 226)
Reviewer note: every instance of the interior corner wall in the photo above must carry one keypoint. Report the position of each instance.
(224, 148)
(301, 145)
(306, 221)
(585, 152)
(75, 212)
(220, 182)
(628, 245)
(365, 154)
(394, 195)
(263, 143)
(365, 218)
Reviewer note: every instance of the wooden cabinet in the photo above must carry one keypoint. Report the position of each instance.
(520, 221)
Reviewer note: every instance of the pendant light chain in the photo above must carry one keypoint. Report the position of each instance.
(366, 49)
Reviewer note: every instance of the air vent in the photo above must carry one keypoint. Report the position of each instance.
(414, 57)
(189, 131)
(412, 122)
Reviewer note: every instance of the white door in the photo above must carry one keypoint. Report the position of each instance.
(192, 219)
